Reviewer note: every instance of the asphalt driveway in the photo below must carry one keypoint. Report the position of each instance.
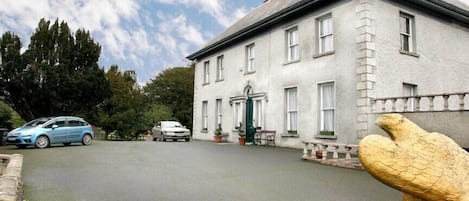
(179, 171)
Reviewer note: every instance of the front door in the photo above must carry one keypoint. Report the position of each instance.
(250, 129)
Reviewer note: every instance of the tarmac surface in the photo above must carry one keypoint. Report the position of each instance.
(192, 171)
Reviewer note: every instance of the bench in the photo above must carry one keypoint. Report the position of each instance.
(265, 137)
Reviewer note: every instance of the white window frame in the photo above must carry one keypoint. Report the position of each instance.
(323, 109)
(219, 112)
(410, 90)
(325, 34)
(291, 129)
(204, 115)
(220, 68)
(293, 49)
(250, 58)
(407, 32)
(206, 72)
(258, 107)
(238, 114)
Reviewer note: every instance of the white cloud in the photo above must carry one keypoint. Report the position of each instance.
(215, 8)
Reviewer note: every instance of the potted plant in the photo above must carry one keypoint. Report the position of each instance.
(242, 135)
(217, 133)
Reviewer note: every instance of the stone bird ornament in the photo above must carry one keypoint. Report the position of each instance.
(424, 166)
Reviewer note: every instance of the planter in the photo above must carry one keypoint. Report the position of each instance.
(242, 140)
(319, 154)
(217, 138)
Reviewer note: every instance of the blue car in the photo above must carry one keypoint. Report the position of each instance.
(43, 132)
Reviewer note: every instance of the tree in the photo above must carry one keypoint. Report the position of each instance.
(123, 111)
(174, 87)
(57, 75)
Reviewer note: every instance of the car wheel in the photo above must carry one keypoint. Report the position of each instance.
(42, 142)
(21, 146)
(188, 139)
(67, 144)
(154, 139)
(86, 140)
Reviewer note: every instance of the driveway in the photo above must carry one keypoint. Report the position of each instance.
(180, 171)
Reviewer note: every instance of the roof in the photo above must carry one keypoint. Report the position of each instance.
(274, 12)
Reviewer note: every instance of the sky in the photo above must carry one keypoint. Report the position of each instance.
(147, 36)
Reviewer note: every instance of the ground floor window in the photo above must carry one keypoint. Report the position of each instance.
(219, 113)
(238, 115)
(204, 115)
(292, 110)
(257, 120)
(327, 108)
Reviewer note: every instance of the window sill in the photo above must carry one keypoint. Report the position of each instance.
(290, 135)
(331, 137)
(219, 80)
(204, 131)
(250, 72)
(323, 54)
(409, 53)
(207, 83)
(291, 62)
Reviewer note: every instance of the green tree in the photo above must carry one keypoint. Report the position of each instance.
(156, 112)
(57, 75)
(123, 111)
(174, 87)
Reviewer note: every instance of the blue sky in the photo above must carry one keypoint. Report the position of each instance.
(142, 35)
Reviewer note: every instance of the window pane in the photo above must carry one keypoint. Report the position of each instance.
(405, 42)
(328, 96)
(293, 121)
(292, 99)
(329, 120)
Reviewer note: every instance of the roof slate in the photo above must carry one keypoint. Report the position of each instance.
(273, 7)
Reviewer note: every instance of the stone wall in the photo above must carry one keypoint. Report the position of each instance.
(11, 186)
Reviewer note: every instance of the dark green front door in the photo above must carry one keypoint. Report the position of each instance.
(250, 129)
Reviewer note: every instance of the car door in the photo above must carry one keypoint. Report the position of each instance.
(74, 130)
(157, 130)
(59, 131)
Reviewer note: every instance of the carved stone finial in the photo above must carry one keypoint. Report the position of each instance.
(424, 166)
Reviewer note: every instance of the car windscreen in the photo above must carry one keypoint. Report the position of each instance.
(171, 125)
(36, 122)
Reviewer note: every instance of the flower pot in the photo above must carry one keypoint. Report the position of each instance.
(242, 140)
(319, 154)
(217, 138)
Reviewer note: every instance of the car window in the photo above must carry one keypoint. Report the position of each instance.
(171, 124)
(76, 123)
(60, 123)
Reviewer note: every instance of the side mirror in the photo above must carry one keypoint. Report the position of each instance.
(158, 127)
(54, 126)
(184, 126)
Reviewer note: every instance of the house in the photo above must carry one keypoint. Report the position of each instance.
(325, 69)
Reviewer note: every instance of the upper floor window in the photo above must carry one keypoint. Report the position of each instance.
(292, 110)
(325, 34)
(293, 53)
(407, 33)
(206, 72)
(250, 58)
(220, 68)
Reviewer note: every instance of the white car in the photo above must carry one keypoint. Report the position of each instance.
(174, 130)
